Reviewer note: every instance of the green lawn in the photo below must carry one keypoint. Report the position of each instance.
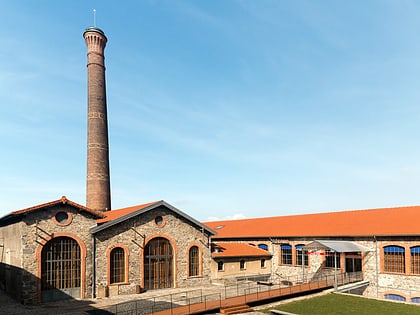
(336, 304)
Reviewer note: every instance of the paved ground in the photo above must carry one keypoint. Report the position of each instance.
(107, 306)
(93, 306)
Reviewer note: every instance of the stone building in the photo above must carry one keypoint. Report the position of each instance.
(381, 244)
(61, 249)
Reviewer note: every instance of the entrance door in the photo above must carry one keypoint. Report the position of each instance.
(60, 274)
(353, 262)
(158, 264)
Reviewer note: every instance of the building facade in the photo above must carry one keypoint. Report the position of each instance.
(61, 249)
(382, 244)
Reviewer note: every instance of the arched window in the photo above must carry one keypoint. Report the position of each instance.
(117, 265)
(286, 254)
(394, 259)
(194, 261)
(394, 297)
(415, 260)
(299, 252)
(263, 246)
(415, 300)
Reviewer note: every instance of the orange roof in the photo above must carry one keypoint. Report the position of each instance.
(372, 222)
(115, 214)
(238, 250)
(62, 200)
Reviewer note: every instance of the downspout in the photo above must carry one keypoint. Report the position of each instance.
(377, 267)
(93, 266)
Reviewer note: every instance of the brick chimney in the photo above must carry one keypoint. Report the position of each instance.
(98, 190)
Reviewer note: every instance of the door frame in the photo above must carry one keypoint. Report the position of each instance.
(174, 258)
(83, 251)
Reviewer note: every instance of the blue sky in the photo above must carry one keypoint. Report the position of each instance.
(224, 109)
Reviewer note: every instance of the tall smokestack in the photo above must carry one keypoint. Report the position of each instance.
(98, 190)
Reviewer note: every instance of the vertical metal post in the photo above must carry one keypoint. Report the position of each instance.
(303, 266)
(335, 271)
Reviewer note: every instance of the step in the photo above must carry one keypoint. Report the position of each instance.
(236, 309)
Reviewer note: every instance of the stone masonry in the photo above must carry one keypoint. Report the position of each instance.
(136, 232)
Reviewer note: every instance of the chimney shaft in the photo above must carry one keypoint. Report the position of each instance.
(98, 190)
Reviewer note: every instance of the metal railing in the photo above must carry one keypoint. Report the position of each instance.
(245, 291)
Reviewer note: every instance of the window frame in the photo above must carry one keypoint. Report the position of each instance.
(394, 297)
(286, 255)
(415, 260)
(194, 261)
(220, 266)
(117, 266)
(330, 259)
(394, 259)
(263, 263)
(126, 265)
(298, 255)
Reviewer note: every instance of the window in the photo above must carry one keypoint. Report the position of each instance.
(159, 221)
(332, 259)
(194, 261)
(286, 254)
(394, 297)
(220, 266)
(394, 259)
(263, 246)
(263, 263)
(299, 251)
(242, 264)
(117, 265)
(62, 218)
(415, 260)
(415, 300)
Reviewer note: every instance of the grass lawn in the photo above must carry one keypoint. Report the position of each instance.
(336, 304)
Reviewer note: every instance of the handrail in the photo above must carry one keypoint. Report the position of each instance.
(246, 292)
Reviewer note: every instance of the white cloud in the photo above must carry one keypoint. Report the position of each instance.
(236, 216)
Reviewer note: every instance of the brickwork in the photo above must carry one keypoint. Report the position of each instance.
(98, 192)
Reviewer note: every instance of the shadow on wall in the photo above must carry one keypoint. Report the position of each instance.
(18, 295)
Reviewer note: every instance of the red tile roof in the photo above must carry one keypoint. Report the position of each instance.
(372, 222)
(62, 200)
(115, 214)
(238, 250)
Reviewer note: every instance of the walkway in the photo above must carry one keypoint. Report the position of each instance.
(249, 295)
(173, 301)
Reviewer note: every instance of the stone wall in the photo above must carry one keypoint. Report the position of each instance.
(381, 282)
(38, 228)
(134, 234)
(11, 259)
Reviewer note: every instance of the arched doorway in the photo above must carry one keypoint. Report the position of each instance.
(158, 264)
(60, 269)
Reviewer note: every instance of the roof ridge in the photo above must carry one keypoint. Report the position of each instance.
(311, 214)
